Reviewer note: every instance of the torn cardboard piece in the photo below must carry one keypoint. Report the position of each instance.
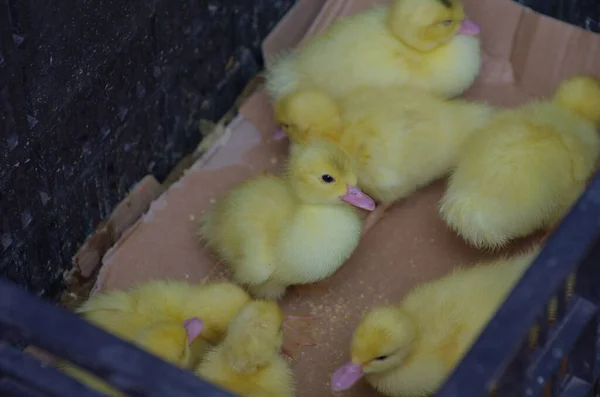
(410, 245)
(89, 256)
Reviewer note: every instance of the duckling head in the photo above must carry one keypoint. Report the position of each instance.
(581, 95)
(320, 172)
(426, 25)
(228, 299)
(254, 336)
(170, 340)
(381, 342)
(305, 113)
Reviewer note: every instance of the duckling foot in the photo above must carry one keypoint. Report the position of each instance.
(375, 217)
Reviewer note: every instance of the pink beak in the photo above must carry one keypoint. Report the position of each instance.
(346, 376)
(193, 327)
(357, 198)
(278, 134)
(469, 28)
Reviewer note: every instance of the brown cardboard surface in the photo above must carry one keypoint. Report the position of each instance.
(522, 58)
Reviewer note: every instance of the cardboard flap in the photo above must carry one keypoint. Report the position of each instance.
(497, 33)
(547, 51)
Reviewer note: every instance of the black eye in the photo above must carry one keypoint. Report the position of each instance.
(285, 126)
(381, 358)
(327, 178)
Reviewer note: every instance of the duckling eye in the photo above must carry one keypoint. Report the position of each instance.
(284, 126)
(381, 358)
(327, 178)
(446, 22)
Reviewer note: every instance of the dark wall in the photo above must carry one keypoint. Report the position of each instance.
(584, 13)
(95, 94)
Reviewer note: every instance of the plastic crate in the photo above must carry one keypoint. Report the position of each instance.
(542, 341)
(69, 337)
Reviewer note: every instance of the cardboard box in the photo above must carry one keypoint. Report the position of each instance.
(525, 55)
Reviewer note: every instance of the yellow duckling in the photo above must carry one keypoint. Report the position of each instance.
(401, 139)
(126, 313)
(409, 349)
(526, 167)
(276, 231)
(425, 44)
(248, 362)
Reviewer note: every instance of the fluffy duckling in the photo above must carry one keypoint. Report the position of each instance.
(427, 44)
(306, 113)
(167, 340)
(126, 313)
(296, 229)
(248, 362)
(408, 349)
(170, 340)
(401, 139)
(525, 168)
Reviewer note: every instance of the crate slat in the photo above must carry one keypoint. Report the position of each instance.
(12, 388)
(502, 338)
(26, 369)
(576, 387)
(547, 361)
(120, 363)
